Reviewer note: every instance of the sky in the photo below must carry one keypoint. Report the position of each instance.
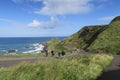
(43, 18)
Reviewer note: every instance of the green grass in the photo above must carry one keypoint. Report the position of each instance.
(83, 67)
(83, 38)
(53, 43)
(109, 40)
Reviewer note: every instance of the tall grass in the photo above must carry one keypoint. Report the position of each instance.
(84, 67)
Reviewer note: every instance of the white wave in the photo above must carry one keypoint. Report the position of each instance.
(37, 48)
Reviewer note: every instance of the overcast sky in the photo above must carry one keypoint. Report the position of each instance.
(38, 18)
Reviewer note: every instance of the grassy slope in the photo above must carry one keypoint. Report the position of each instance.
(101, 38)
(83, 38)
(51, 45)
(109, 40)
(84, 67)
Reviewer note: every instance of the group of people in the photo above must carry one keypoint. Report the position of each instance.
(62, 53)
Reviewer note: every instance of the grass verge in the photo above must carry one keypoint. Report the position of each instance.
(83, 67)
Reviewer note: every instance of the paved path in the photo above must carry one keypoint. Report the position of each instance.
(112, 72)
(8, 61)
(11, 61)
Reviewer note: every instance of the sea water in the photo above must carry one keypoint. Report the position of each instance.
(23, 44)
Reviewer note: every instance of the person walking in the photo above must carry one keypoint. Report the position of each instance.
(52, 53)
(46, 52)
(59, 54)
(63, 53)
(76, 51)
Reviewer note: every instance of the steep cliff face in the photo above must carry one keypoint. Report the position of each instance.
(109, 40)
(100, 38)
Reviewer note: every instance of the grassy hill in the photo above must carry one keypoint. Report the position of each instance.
(109, 40)
(98, 38)
(84, 38)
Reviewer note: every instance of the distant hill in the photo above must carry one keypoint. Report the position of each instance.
(98, 38)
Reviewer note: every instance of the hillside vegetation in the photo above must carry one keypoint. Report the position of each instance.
(84, 67)
(99, 38)
(54, 44)
(109, 40)
(83, 38)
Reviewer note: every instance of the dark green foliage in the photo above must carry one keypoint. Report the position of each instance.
(55, 45)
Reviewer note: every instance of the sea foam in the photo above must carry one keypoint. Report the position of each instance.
(38, 47)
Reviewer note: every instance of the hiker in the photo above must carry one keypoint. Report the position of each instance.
(76, 51)
(46, 52)
(59, 54)
(63, 53)
(52, 53)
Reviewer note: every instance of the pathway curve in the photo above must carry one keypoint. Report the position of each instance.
(112, 72)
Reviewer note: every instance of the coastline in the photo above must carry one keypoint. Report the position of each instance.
(23, 44)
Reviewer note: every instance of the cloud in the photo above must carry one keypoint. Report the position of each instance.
(62, 7)
(52, 23)
(106, 18)
(35, 23)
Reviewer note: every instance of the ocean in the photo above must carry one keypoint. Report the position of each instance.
(23, 44)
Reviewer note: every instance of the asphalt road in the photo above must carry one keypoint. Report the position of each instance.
(112, 72)
(11, 61)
